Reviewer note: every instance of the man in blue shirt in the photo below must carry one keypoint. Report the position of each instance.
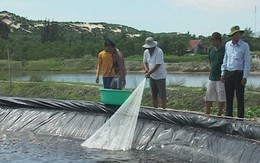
(235, 70)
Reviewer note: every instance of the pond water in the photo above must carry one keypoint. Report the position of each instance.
(132, 79)
(29, 147)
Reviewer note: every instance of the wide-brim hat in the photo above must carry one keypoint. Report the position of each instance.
(234, 30)
(150, 43)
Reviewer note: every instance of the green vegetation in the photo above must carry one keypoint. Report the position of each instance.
(36, 40)
(53, 90)
(186, 58)
(85, 63)
(179, 97)
(173, 58)
(89, 63)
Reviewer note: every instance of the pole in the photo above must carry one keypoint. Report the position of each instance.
(9, 68)
(255, 19)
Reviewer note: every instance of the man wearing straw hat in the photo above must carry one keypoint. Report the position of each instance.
(155, 70)
(235, 70)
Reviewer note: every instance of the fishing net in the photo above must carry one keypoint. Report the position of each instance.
(118, 132)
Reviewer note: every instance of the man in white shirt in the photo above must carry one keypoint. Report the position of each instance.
(155, 70)
(235, 70)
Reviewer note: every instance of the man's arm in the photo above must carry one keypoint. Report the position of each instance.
(152, 70)
(146, 67)
(224, 65)
(247, 65)
(98, 67)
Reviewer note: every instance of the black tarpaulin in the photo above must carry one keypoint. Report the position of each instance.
(190, 136)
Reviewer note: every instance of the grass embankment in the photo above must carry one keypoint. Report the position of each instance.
(179, 98)
(89, 63)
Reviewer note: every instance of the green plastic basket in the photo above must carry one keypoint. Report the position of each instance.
(113, 96)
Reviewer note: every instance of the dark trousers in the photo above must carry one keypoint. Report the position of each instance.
(233, 85)
(107, 82)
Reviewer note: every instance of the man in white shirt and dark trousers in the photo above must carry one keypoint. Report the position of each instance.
(235, 70)
(155, 70)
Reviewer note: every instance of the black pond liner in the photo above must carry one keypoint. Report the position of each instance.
(192, 137)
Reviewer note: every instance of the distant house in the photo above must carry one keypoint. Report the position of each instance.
(197, 47)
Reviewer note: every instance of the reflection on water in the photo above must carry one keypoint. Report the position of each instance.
(29, 147)
(132, 79)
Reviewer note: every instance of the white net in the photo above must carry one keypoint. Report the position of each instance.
(118, 132)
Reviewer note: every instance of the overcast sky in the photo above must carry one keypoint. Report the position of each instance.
(199, 17)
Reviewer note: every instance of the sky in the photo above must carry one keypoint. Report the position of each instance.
(198, 17)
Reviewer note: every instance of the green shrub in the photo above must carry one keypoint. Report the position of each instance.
(186, 58)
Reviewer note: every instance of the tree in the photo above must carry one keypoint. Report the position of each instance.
(248, 37)
(4, 30)
(248, 33)
(51, 32)
(45, 31)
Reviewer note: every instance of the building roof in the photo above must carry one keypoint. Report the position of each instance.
(193, 44)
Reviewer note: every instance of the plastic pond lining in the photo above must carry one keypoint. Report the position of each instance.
(192, 137)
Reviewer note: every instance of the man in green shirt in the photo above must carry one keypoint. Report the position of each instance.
(215, 89)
